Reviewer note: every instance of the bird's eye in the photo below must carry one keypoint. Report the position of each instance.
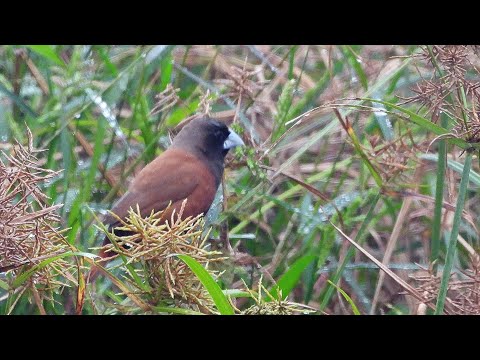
(219, 130)
(220, 134)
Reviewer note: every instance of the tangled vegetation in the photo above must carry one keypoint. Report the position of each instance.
(356, 192)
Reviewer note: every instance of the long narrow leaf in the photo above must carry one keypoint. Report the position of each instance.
(3, 285)
(439, 188)
(210, 284)
(452, 244)
(356, 65)
(348, 298)
(47, 52)
(290, 278)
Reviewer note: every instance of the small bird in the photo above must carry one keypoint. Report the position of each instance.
(191, 168)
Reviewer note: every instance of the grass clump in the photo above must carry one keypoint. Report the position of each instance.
(160, 277)
(32, 247)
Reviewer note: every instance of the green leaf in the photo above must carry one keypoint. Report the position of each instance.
(452, 243)
(383, 120)
(48, 52)
(97, 153)
(357, 67)
(102, 52)
(291, 61)
(235, 293)
(290, 278)
(181, 113)
(166, 67)
(348, 298)
(356, 143)
(3, 285)
(210, 284)
(439, 190)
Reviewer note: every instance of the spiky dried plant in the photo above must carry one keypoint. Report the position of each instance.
(429, 93)
(28, 231)
(395, 159)
(463, 296)
(240, 85)
(205, 103)
(453, 58)
(165, 100)
(273, 305)
(451, 89)
(154, 244)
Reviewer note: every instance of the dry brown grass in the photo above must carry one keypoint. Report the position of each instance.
(154, 246)
(29, 232)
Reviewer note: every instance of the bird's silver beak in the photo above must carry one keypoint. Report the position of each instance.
(232, 141)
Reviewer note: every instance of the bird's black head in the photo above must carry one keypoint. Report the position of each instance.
(208, 139)
(208, 136)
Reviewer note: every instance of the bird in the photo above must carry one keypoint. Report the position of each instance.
(191, 168)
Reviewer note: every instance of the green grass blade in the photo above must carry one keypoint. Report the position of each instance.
(181, 113)
(291, 61)
(309, 97)
(348, 298)
(383, 120)
(235, 293)
(356, 143)
(3, 285)
(283, 106)
(47, 52)
(106, 60)
(439, 187)
(166, 67)
(290, 278)
(97, 153)
(221, 301)
(357, 67)
(452, 244)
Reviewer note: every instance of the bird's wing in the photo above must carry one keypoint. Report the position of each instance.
(173, 176)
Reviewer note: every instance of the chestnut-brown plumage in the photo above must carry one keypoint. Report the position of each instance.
(191, 168)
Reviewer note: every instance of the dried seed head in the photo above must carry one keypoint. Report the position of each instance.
(165, 100)
(154, 245)
(28, 230)
(240, 84)
(395, 159)
(273, 305)
(463, 295)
